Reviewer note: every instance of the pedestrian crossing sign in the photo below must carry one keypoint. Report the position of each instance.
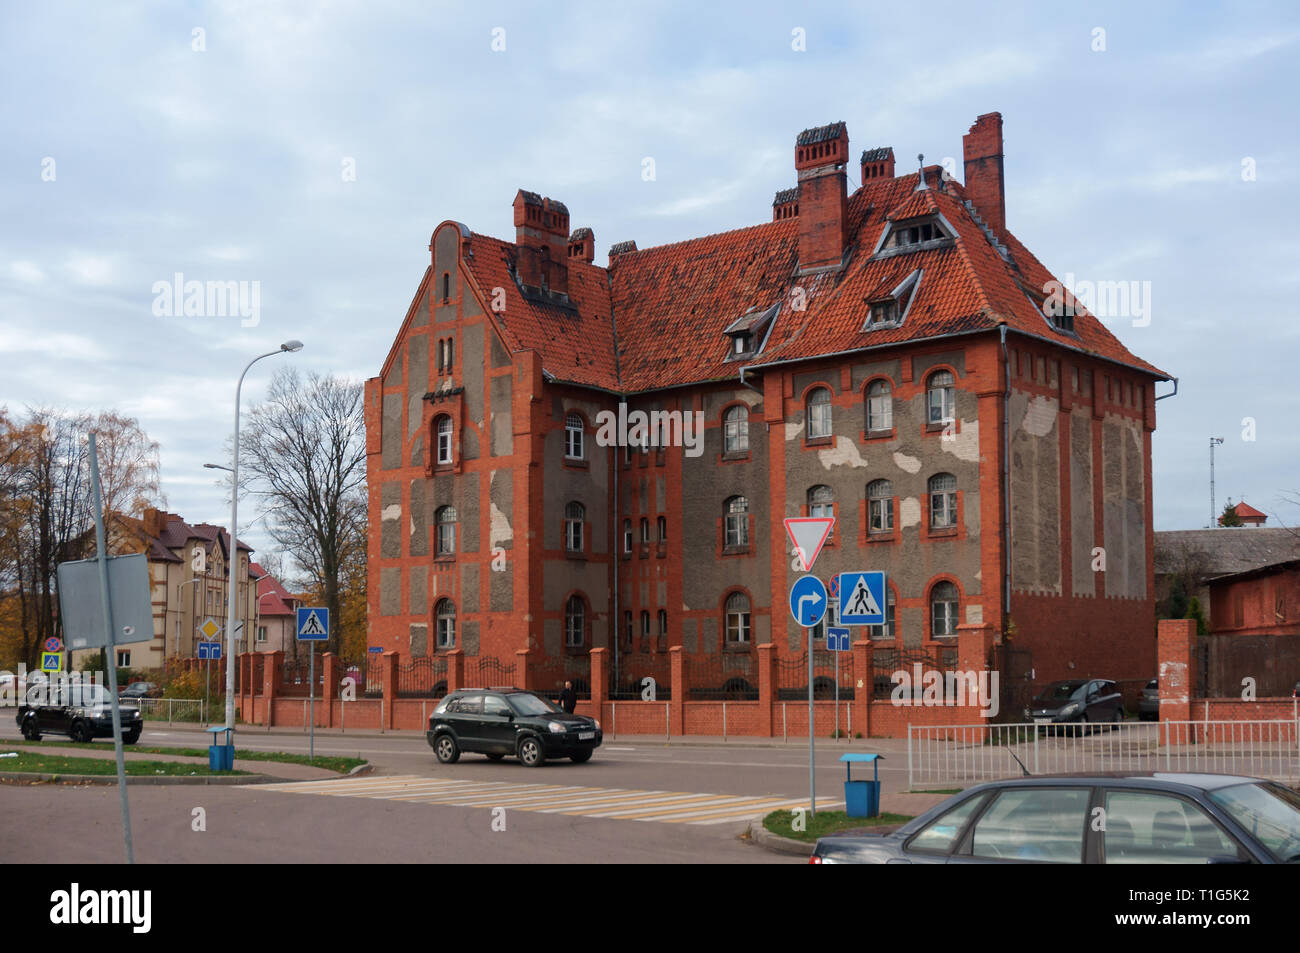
(862, 598)
(313, 624)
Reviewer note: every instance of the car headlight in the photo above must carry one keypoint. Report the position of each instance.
(555, 726)
(595, 722)
(1069, 709)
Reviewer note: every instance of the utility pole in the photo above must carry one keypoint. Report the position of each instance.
(1214, 513)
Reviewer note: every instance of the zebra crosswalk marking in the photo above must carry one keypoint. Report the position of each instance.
(673, 807)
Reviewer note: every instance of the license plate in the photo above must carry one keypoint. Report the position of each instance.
(1042, 721)
(586, 735)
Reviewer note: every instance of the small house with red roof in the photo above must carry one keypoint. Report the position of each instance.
(892, 356)
(1248, 515)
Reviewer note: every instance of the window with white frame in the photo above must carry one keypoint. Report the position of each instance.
(821, 501)
(735, 429)
(627, 536)
(446, 519)
(943, 501)
(663, 529)
(573, 437)
(737, 618)
(445, 613)
(123, 658)
(736, 512)
(574, 516)
(880, 406)
(261, 633)
(819, 413)
(443, 430)
(575, 622)
(880, 506)
(645, 530)
(663, 623)
(943, 610)
(939, 397)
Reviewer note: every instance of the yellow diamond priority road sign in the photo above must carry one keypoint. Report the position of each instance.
(210, 628)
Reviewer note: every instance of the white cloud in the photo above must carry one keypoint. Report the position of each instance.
(26, 271)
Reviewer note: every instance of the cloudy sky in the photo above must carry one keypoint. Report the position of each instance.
(311, 148)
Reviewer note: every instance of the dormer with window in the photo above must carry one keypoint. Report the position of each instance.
(748, 333)
(890, 310)
(916, 234)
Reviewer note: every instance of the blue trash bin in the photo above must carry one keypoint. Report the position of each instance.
(861, 798)
(221, 757)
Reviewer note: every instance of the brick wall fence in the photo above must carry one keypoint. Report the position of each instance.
(1179, 663)
(267, 697)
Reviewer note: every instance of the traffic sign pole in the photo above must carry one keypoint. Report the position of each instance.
(311, 667)
(812, 744)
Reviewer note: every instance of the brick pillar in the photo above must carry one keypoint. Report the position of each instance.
(1176, 658)
(766, 687)
(677, 704)
(863, 687)
(455, 670)
(390, 686)
(599, 683)
(330, 685)
(525, 678)
(974, 645)
(272, 676)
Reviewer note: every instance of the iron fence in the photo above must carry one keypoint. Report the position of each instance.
(488, 671)
(374, 675)
(295, 677)
(968, 754)
(548, 675)
(885, 663)
(792, 676)
(628, 681)
(715, 678)
(424, 677)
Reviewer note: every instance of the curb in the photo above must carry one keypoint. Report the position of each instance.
(12, 777)
(778, 844)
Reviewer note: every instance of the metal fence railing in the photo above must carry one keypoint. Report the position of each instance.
(422, 677)
(488, 671)
(968, 754)
(828, 670)
(191, 710)
(710, 678)
(627, 683)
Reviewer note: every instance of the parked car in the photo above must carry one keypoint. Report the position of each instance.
(1150, 818)
(84, 713)
(1149, 703)
(498, 722)
(1077, 701)
(140, 690)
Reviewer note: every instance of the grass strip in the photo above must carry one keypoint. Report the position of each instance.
(826, 822)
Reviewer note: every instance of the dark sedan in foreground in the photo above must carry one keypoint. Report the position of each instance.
(499, 722)
(1092, 819)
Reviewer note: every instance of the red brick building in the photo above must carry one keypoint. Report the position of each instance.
(890, 356)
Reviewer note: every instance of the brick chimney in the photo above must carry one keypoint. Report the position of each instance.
(154, 522)
(877, 164)
(785, 204)
(582, 245)
(819, 158)
(541, 233)
(982, 152)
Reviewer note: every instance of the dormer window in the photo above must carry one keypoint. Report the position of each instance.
(744, 343)
(914, 235)
(889, 310)
(749, 331)
(883, 314)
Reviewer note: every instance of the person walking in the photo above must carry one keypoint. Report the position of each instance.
(568, 699)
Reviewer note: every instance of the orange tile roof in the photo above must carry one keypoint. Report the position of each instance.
(655, 317)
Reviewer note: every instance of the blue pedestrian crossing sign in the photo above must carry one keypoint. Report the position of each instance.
(862, 598)
(808, 601)
(837, 638)
(313, 624)
(209, 650)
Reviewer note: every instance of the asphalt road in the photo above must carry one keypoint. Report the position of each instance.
(252, 825)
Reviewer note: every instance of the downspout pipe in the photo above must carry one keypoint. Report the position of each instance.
(1006, 481)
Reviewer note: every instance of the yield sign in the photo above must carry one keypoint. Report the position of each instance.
(809, 534)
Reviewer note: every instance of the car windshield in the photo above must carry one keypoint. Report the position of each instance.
(528, 704)
(1270, 812)
(1060, 691)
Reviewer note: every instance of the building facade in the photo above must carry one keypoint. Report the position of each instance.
(893, 357)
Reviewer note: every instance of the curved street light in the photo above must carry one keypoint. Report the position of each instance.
(233, 561)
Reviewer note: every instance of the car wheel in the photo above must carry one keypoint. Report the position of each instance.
(130, 737)
(30, 731)
(81, 733)
(580, 756)
(495, 756)
(531, 752)
(445, 747)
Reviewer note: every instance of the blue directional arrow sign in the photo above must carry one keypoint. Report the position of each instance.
(862, 598)
(808, 601)
(837, 639)
(209, 650)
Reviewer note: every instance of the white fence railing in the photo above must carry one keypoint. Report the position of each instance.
(173, 709)
(949, 755)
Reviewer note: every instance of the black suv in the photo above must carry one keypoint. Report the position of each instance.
(83, 712)
(501, 721)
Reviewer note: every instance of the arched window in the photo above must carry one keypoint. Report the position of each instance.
(645, 530)
(663, 529)
(663, 623)
(575, 622)
(736, 511)
(443, 429)
(574, 515)
(573, 437)
(820, 501)
(943, 610)
(943, 501)
(451, 353)
(819, 413)
(446, 286)
(627, 536)
(880, 506)
(735, 429)
(939, 397)
(442, 354)
(880, 407)
(446, 519)
(737, 619)
(887, 630)
(445, 612)
(645, 624)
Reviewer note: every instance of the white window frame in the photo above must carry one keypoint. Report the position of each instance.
(820, 419)
(880, 406)
(445, 430)
(573, 434)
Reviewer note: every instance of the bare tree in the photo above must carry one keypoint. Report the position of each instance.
(303, 454)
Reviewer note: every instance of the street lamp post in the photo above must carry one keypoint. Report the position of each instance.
(233, 561)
